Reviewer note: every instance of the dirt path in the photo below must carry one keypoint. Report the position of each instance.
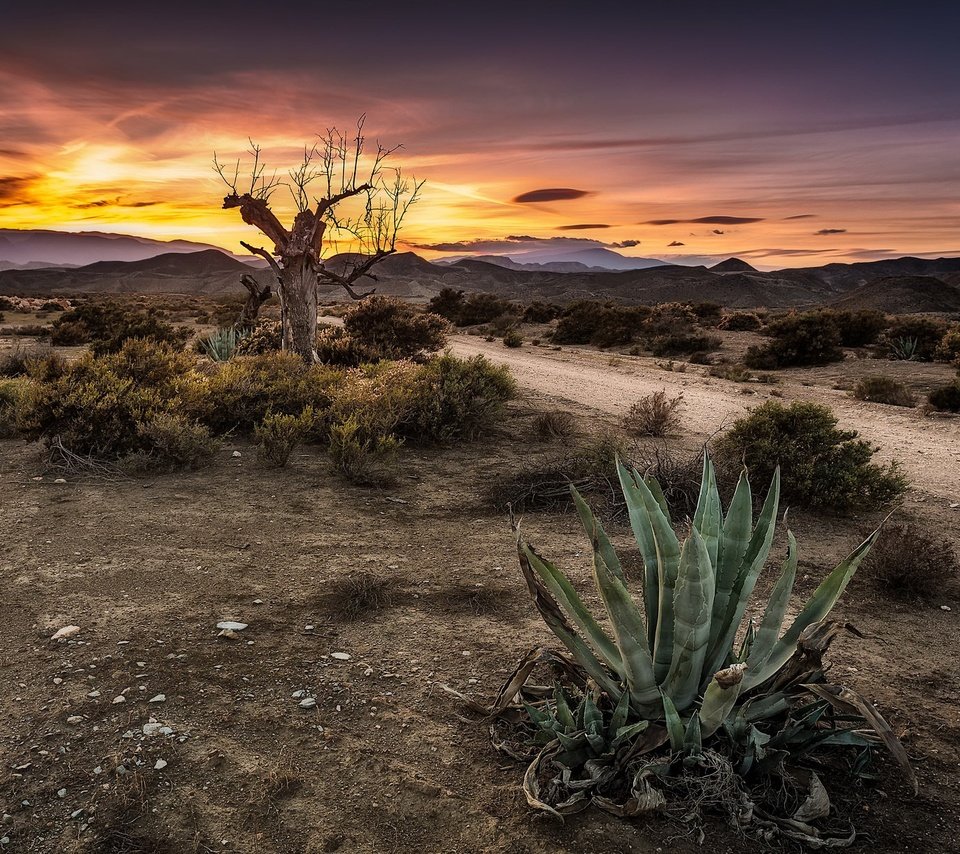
(927, 448)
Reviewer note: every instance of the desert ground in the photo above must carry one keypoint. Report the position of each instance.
(218, 753)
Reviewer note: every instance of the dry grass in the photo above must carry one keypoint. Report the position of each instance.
(911, 563)
(884, 390)
(359, 595)
(654, 415)
(554, 425)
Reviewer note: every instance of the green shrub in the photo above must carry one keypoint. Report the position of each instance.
(601, 324)
(822, 466)
(707, 313)
(336, 347)
(541, 312)
(107, 407)
(654, 415)
(240, 393)
(456, 399)
(484, 308)
(923, 334)
(362, 455)
(811, 338)
(857, 328)
(11, 393)
(682, 345)
(106, 326)
(18, 361)
(884, 390)
(911, 563)
(946, 398)
(266, 337)
(448, 304)
(278, 436)
(171, 442)
(741, 321)
(513, 339)
(394, 329)
(221, 345)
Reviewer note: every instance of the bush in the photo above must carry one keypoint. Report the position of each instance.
(910, 563)
(682, 345)
(336, 347)
(948, 350)
(654, 415)
(7, 304)
(513, 339)
(821, 465)
(394, 329)
(106, 326)
(172, 442)
(241, 393)
(18, 362)
(601, 324)
(541, 312)
(912, 337)
(707, 313)
(740, 321)
(553, 425)
(361, 455)
(484, 308)
(266, 337)
(884, 390)
(11, 392)
(946, 398)
(278, 436)
(857, 328)
(117, 405)
(448, 303)
(811, 338)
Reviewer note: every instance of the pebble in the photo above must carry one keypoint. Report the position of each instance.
(65, 632)
(231, 625)
(237, 454)
(340, 656)
(159, 765)
(258, 601)
(61, 793)
(945, 608)
(60, 480)
(93, 694)
(299, 694)
(160, 698)
(57, 680)
(75, 719)
(308, 703)
(119, 699)
(308, 628)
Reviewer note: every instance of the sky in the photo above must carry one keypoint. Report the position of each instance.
(791, 136)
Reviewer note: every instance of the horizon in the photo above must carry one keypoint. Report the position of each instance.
(785, 138)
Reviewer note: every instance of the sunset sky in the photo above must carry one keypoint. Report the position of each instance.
(787, 136)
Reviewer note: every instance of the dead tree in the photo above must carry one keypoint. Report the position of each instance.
(362, 215)
(259, 294)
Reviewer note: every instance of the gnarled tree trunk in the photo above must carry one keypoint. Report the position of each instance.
(299, 284)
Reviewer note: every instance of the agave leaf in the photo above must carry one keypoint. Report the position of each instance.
(618, 720)
(598, 537)
(674, 725)
(657, 492)
(753, 560)
(556, 621)
(734, 540)
(667, 549)
(592, 717)
(692, 607)
(708, 516)
(631, 639)
(747, 644)
(564, 714)
(643, 534)
(629, 731)
(720, 698)
(764, 707)
(559, 586)
(772, 622)
(820, 604)
(692, 737)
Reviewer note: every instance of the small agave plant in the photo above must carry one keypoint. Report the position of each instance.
(221, 345)
(671, 683)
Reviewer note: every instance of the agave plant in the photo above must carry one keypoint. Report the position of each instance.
(222, 344)
(679, 668)
(904, 349)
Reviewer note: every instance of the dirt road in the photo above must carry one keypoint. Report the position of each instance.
(928, 448)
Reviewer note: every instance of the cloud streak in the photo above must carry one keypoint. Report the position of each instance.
(550, 194)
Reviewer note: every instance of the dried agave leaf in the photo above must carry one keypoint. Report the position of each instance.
(817, 803)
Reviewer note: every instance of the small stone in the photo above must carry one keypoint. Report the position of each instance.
(75, 719)
(57, 680)
(308, 703)
(151, 728)
(299, 694)
(65, 632)
(231, 625)
(98, 770)
(228, 633)
(258, 601)
(93, 694)
(309, 627)
(466, 653)
(160, 698)
(119, 699)
(237, 454)
(945, 608)
(60, 480)
(340, 656)
(61, 793)
(159, 765)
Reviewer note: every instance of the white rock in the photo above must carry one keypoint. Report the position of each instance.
(75, 719)
(57, 680)
(298, 694)
(151, 728)
(340, 656)
(60, 480)
(258, 601)
(119, 699)
(98, 770)
(160, 698)
(309, 628)
(93, 694)
(237, 454)
(231, 625)
(61, 793)
(308, 703)
(159, 765)
(65, 632)
(945, 608)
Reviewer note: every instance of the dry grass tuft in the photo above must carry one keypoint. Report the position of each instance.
(360, 594)
(654, 415)
(909, 562)
(554, 425)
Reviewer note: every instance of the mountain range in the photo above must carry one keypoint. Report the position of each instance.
(902, 285)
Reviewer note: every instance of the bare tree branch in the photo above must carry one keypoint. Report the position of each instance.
(259, 250)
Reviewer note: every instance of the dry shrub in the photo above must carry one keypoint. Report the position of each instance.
(106, 326)
(513, 339)
(948, 350)
(809, 338)
(923, 335)
(265, 337)
(741, 321)
(678, 472)
(683, 344)
(946, 398)
(278, 435)
(884, 390)
(10, 394)
(654, 415)
(359, 594)
(394, 329)
(909, 562)
(19, 361)
(336, 347)
(172, 442)
(554, 425)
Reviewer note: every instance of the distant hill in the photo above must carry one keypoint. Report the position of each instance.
(553, 260)
(733, 265)
(904, 295)
(60, 248)
(905, 285)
